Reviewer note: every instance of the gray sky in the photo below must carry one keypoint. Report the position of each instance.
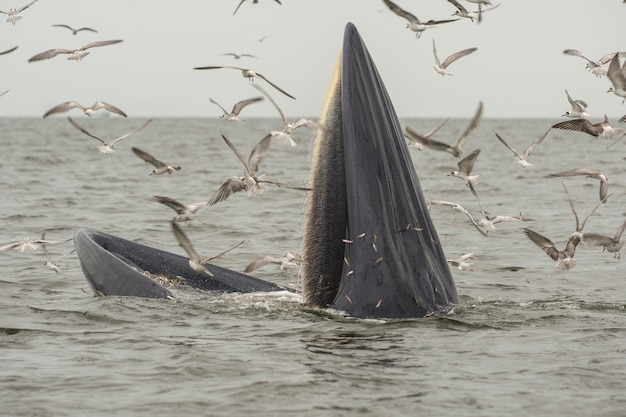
(519, 69)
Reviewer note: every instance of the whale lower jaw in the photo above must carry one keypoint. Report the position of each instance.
(369, 247)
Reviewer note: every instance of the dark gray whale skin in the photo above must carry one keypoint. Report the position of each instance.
(369, 248)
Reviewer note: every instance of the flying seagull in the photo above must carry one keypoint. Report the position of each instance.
(462, 261)
(159, 166)
(579, 108)
(233, 116)
(107, 147)
(595, 67)
(74, 54)
(522, 160)
(249, 74)
(30, 245)
(287, 261)
(184, 212)
(565, 258)
(414, 23)
(597, 175)
(249, 181)
(89, 111)
(253, 2)
(238, 56)
(195, 262)
(441, 68)
(75, 30)
(460, 209)
(464, 172)
(54, 265)
(617, 76)
(283, 137)
(13, 15)
(609, 243)
(604, 128)
(463, 12)
(457, 148)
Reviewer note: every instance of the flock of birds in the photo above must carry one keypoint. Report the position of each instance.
(252, 182)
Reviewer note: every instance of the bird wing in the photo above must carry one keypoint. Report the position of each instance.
(86, 28)
(536, 143)
(459, 7)
(63, 107)
(26, 7)
(466, 165)
(147, 157)
(275, 86)
(238, 6)
(573, 172)
(616, 73)
(8, 50)
(243, 103)
(575, 52)
(175, 205)
(261, 261)
(230, 186)
(576, 105)
(258, 153)
(50, 53)
(125, 135)
(108, 107)
(100, 43)
(543, 242)
(415, 137)
(222, 253)
(620, 230)
(401, 12)
(64, 26)
(280, 112)
(184, 242)
(226, 113)
(435, 54)
(247, 167)
(449, 60)
(80, 128)
(471, 127)
(577, 125)
(510, 148)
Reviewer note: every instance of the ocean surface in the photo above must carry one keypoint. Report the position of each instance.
(525, 339)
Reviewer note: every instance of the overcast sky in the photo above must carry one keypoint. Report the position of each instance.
(519, 69)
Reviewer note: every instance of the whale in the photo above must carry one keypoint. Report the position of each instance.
(369, 249)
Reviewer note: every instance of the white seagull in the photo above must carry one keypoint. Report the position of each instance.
(74, 54)
(249, 74)
(588, 173)
(54, 265)
(287, 261)
(89, 111)
(160, 167)
(595, 67)
(462, 262)
(13, 15)
(604, 128)
(617, 76)
(195, 262)
(184, 212)
(30, 245)
(417, 140)
(233, 116)
(565, 258)
(609, 243)
(237, 55)
(441, 68)
(522, 160)
(414, 23)
(249, 181)
(283, 137)
(579, 108)
(106, 147)
(75, 30)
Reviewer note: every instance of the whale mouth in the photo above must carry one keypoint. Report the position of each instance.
(369, 248)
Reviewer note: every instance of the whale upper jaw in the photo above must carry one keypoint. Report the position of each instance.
(370, 247)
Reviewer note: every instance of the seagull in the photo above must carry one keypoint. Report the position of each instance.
(463, 12)
(604, 182)
(89, 111)
(579, 108)
(233, 116)
(617, 76)
(604, 128)
(253, 2)
(441, 68)
(13, 15)
(461, 262)
(522, 160)
(565, 258)
(184, 212)
(238, 56)
(75, 30)
(595, 67)
(283, 137)
(480, 4)
(195, 262)
(8, 51)
(457, 148)
(30, 245)
(159, 166)
(460, 209)
(610, 244)
(107, 147)
(250, 75)
(489, 222)
(417, 140)
(288, 261)
(414, 23)
(54, 265)
(249, 181)
(74, 54)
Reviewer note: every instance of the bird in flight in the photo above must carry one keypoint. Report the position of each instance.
(89, 111)
(249, 74)
(160, 167)
(74, 54)
(106, 147)
(75, 30)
